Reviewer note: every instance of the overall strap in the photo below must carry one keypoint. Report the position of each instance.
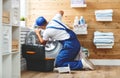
(60, 24)
(56, 28)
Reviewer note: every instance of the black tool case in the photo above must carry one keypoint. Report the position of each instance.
(35, 58)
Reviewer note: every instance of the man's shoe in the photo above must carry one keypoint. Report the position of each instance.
(87, 64)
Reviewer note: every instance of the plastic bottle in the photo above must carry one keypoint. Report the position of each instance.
(76, 21)
(82, 21)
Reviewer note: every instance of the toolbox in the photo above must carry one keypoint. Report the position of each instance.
(35, 58)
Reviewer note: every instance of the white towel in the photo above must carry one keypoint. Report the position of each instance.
(104, 37)
(103, 40)
(104, 11)
(103, 33)
(104, 15)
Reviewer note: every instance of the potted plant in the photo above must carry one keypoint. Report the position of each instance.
(22, 21)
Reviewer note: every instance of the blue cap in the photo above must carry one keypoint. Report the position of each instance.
(40, 21)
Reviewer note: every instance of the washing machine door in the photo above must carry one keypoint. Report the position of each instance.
(52, 48)
(31, 38)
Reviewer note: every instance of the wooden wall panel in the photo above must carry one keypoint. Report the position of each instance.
(48, 9)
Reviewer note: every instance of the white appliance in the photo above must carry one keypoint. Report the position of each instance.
(52, 48)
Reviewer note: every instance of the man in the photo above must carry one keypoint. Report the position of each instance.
(57, 30)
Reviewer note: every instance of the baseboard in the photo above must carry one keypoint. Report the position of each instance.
(107, 62)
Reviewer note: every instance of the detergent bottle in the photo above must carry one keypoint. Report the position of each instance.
(82, 21)
(76, 22)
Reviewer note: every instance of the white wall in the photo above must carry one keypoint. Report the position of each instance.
(22, 8)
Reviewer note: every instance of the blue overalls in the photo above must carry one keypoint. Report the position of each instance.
(69, 51)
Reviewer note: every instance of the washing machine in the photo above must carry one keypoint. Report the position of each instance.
(52, 47)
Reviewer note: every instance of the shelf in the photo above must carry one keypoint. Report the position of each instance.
(1, 40)
(78, 6)
(9, 58)
(15, 32)
(6, 11)
(15, 26)
(16, 65)
(6, 39)
(6, 53)
(78, 3)
(81, 30)
(4, 24)
(15, 38)
(15, 50)
(16, 3)
(6, 69)
(15, 17)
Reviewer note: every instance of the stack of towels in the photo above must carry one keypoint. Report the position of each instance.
(104, 15)
(103, 39)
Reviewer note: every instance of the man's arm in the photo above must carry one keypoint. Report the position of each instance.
(39, 37)
(58, 15)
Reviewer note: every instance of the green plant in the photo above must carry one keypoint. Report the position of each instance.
(22, 19)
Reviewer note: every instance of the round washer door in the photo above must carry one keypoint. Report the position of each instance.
(52, 49)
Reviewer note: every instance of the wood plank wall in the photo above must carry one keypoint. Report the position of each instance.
(48, 8)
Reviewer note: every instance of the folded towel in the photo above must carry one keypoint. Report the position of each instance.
(104, 15)
(103, 37)
(103, 43)
(103, 33)
(104, 11)
(97, 44)
(103, 40)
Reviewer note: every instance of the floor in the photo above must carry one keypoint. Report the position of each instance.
(100, 72)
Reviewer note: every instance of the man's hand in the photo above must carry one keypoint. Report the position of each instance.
(37, 31)
(61, 12)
